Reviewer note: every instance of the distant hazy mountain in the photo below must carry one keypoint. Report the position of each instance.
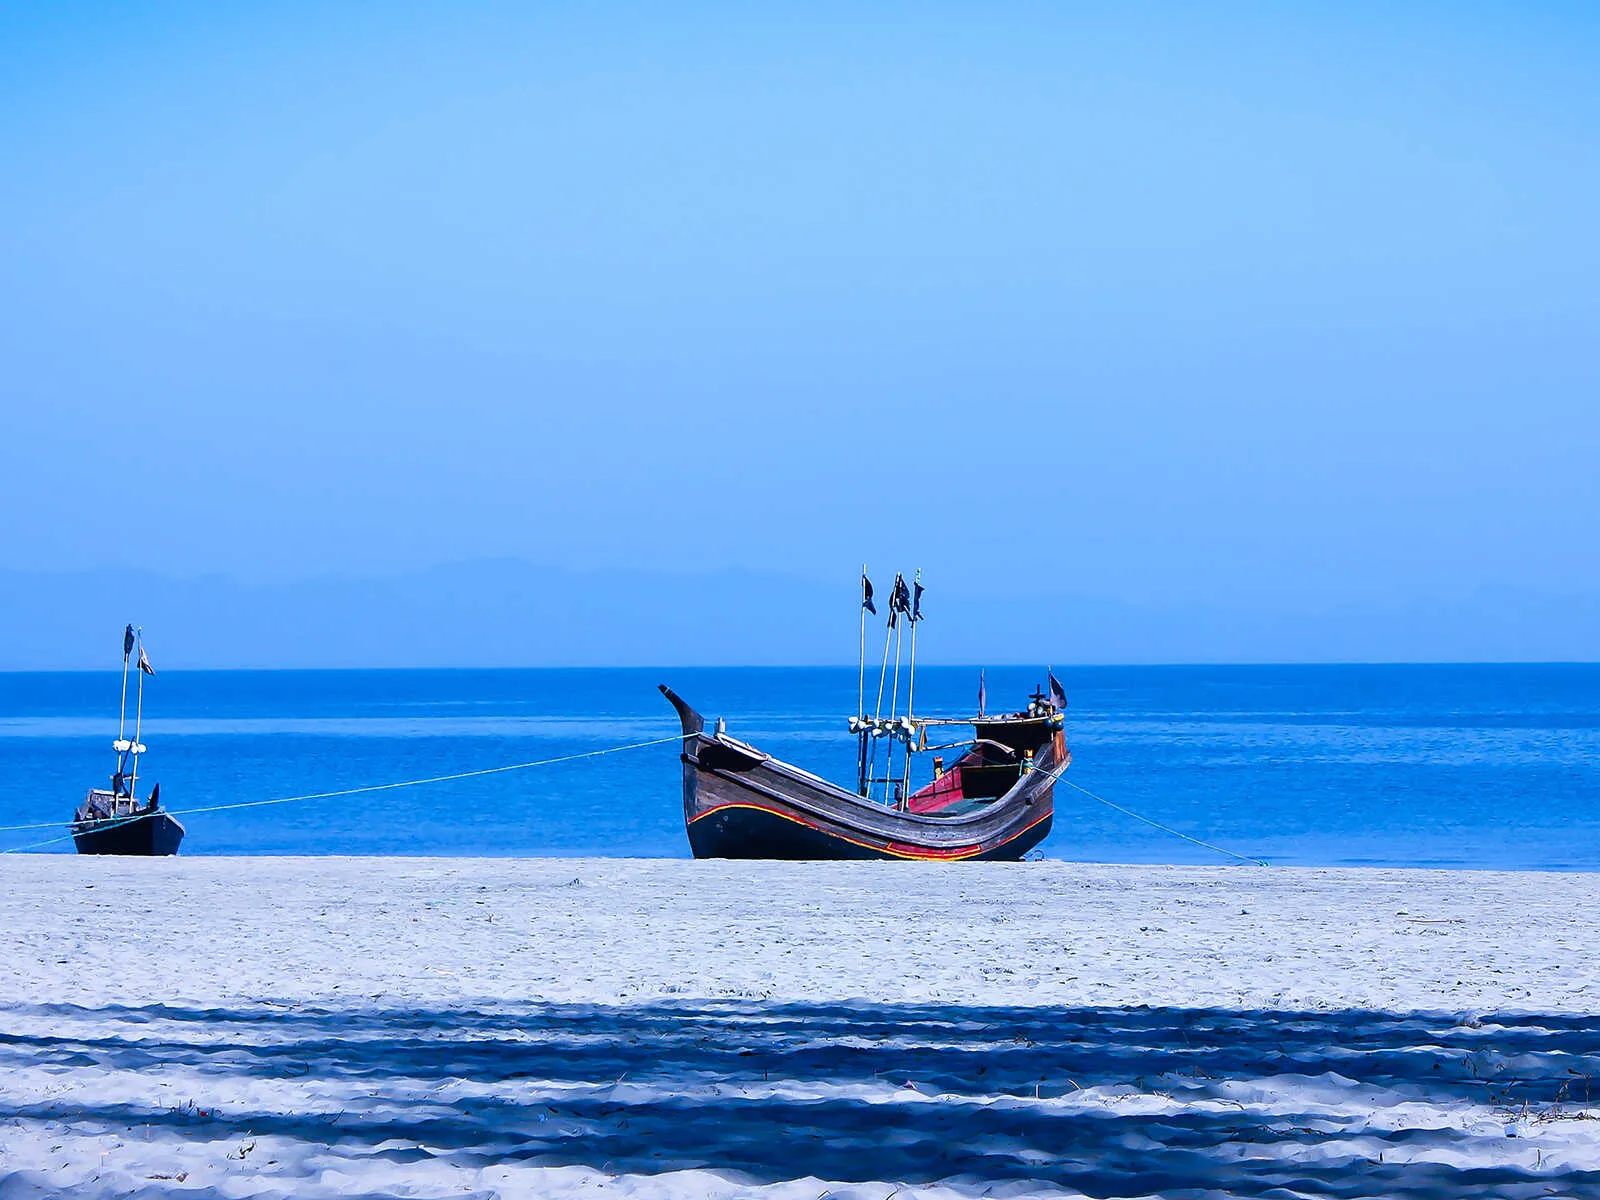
(503, 613)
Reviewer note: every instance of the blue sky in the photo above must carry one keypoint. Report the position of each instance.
(1173, 305)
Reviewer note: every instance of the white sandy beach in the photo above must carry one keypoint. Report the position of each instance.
(335, 1027)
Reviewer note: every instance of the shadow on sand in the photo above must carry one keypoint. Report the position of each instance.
(1105, 1102)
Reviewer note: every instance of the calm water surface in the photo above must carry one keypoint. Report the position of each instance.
(1448, 766)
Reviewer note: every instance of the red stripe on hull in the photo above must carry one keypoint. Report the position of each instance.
(889, 849)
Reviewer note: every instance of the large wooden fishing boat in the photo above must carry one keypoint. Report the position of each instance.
(995, 801)
(113, 820)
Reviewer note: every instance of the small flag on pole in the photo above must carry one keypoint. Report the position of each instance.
(916, 602)
(866, 595)
(899, 600)
(144, 663)
(983, 692)
(127, 641)
(1058, 694)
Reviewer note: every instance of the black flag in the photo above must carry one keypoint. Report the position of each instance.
(916, 602)
(866, 595)
(899, 599)
(155, 797)
(127, 641)
(1058, 694)
(983, 692)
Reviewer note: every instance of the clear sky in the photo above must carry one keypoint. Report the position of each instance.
(1163, 303)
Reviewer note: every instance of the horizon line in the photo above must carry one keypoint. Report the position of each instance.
(999, 665)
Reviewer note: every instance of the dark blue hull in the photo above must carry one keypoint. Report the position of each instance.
(148, 834)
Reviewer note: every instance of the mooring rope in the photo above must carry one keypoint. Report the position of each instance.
(1057, 777)
(355, 791)
(1128, 812)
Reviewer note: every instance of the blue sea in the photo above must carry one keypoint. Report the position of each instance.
(1435, 766)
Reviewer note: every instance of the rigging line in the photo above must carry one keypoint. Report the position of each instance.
(1128, 812)
(37, 845)
(38, 825)
(376, 787)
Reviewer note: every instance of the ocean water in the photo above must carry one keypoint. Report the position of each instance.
(1438, 766)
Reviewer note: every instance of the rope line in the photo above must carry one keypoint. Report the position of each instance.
(20, 828)
(1128, 812)
(36, 845)
(1057, 777)
(356, 791)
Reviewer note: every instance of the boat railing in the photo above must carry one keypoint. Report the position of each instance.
(102, 805)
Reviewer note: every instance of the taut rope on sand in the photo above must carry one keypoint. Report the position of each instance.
(1128, 812)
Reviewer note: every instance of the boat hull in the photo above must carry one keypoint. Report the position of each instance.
(742, 830)
(741, 803)
(149, 835)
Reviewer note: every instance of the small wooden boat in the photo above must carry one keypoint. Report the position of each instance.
(108, 823)
(113, 820)
(994, 802)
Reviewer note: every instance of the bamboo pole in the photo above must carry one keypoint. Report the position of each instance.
(911, 688)
(894, 708)
(861, 678)
(122, 719)
(861, 693)
(877, 712)
(138, 725)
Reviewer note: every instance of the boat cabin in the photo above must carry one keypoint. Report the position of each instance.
(1003, 751)
(102, 803)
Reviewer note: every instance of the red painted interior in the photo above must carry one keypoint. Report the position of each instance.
(941, 793)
